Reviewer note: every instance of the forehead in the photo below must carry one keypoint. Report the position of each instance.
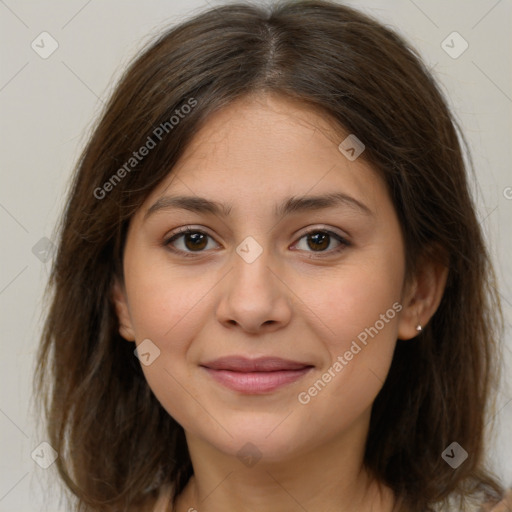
(265, 147)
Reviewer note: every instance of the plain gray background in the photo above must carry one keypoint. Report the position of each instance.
(48, 106)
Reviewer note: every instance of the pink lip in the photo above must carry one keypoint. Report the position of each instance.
(254, 376)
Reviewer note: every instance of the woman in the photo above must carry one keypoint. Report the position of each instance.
(271, 290)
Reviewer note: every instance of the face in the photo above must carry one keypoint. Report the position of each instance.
(293, 265)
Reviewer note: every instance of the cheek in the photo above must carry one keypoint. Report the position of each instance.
(355, 298)
(166, 311)
(162, 302)
(168, 308)
(359, 318)
(360, 355)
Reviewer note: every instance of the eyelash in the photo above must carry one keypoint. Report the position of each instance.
(188, 254)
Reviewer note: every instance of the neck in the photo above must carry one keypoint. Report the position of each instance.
(328, 476)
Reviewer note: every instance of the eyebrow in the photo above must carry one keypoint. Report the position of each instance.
(291, 205)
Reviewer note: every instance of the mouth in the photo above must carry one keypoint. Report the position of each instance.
(255, 376)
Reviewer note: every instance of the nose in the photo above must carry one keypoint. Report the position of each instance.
(254, 297)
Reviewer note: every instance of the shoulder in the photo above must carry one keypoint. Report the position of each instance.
(505, 505)
(474, 502)
(164, 499)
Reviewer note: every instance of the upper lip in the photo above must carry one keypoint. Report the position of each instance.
(260, 364)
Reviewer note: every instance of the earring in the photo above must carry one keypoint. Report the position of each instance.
(419, 328)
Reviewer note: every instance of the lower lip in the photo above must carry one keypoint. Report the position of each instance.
(256, 382)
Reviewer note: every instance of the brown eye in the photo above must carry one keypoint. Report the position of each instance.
(195, 241)
(322, 241)
(318, 241)
(189, 241)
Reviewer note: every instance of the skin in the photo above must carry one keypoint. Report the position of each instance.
(298, 300)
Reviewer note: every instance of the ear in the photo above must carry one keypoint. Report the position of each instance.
(422, 296)
(122, 311)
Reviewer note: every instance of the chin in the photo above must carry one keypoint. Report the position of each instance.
(267, 439)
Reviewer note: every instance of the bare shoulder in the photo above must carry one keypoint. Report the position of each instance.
(163, 503)
(505, 505)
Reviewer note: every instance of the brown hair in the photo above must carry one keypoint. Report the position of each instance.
(102, 416)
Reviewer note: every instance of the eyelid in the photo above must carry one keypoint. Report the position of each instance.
(185, 229)
(322, 227)
(174, 235)
(341, 238)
